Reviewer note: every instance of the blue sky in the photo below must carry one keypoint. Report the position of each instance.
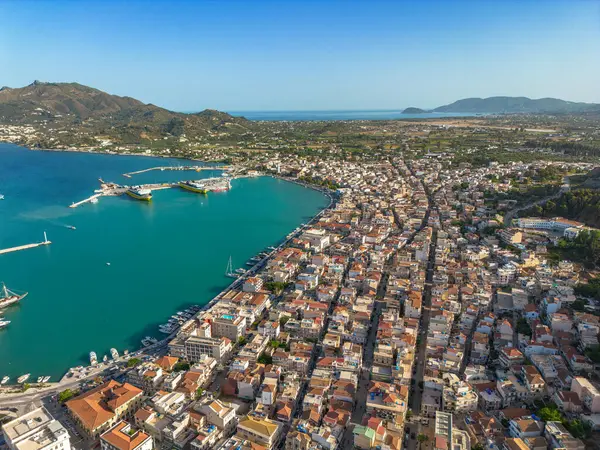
(302, 55)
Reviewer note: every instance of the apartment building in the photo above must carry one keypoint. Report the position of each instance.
(36, 430)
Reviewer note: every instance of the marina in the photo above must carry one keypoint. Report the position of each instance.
(195, 233)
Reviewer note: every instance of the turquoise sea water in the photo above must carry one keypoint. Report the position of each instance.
(163, 256)
(384, 114)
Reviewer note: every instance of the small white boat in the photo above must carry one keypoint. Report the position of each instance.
(46, 379)
(105, 358)
(23, 378)
(126, 352)
(5, 380)
(148, 341)
(114, 353)
(108, 264)
(94, 200)
(1, 197)
(40, 379)
(93, 358)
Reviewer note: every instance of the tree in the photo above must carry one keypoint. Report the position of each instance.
(409, 414)
(181, 366)
(579, 429)
(550, 414)
(199, 392)
(242, 340)
(276, 287)
(283, 320)
(265, 359)
(478, 446)
(523, 327)
(65, 395)
(421, 438)
(133, 362)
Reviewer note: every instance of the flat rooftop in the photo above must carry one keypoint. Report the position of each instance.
(34, 430)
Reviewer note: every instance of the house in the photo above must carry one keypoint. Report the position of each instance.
(568, 401)
(100, 408)
(123, 437)
(219, 415)
(525, 428)
(588, 393)
(265, 432)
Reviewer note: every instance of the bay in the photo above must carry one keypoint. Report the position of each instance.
(383, 114)
(164, 255)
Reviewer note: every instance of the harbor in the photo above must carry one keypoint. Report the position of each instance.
(163, 259)
(144, 191)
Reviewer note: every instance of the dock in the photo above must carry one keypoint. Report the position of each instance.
(89, 199)
(26, 246)
(196, 168)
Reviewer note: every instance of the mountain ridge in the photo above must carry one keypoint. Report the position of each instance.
(506, 104)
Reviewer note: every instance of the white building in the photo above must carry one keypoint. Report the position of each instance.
(36, 430)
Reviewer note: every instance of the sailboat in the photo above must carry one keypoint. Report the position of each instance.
(8, 297)
(229, 271)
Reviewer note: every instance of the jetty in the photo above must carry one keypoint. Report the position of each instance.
(86, 200)
(26, 246)
(196, 168)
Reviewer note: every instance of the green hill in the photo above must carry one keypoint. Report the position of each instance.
(413, 110)
(516, 105)
(72, 105)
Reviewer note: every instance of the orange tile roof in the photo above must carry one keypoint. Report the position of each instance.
(97, 406)
(119, 437)
(167, 362)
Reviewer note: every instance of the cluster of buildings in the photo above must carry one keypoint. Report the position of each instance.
(394, 319)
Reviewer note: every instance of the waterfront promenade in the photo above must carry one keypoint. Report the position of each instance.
(91, 373)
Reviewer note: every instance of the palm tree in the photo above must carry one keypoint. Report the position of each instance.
(422, 438)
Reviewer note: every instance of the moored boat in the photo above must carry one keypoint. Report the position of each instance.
(8, 297)
(140, 193)
(114, 353)
(23, 378)
(3, 322)
(93, 358)
(40, 379)
(193, 186)
(5, 380)
(148, 341)
(46, 379)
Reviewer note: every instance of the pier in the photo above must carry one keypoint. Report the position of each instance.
(196, 168)
(89, 199)
(26, 246)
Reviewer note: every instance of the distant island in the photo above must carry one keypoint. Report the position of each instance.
(413, 110)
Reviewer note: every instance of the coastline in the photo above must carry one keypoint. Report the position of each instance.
(112, 153)
(284, 241)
